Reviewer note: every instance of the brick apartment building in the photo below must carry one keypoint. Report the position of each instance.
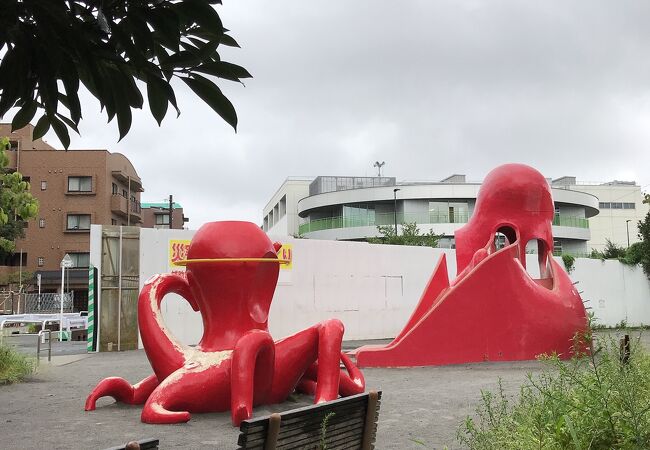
(74, 188)
(156, 215)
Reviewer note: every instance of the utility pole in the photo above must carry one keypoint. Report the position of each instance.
(627, 228)
(395, 207)
(171, 211)
(20, 272)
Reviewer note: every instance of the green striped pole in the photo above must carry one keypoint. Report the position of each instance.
(91, 307)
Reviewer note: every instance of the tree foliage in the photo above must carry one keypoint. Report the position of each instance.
(613, 251)
(410, 236)
(644, 235)
(16, 203)
(569, 262)
(52, 46)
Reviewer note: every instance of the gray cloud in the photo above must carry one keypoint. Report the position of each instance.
(431, 87)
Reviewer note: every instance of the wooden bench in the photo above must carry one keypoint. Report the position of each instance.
(345, 423)
(142, 444)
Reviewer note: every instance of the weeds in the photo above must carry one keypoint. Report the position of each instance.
(13, 365)
(593, 401)
(323, 430)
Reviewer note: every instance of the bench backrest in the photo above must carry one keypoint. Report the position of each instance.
(142, 444)
(349, 423)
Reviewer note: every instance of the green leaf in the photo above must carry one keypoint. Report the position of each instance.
(229, 41)
(68, 122)
(181, 59)
(204, 14)
(167, 27)
(61, 131)
(212, 95)
(42, 126)
(24, 115)
(224, 70)
(157, 95)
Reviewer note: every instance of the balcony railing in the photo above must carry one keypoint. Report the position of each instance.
(119, 205)
(380, 219)
(568, 221)
(371, 220)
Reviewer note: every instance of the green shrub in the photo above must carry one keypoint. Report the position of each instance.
(569, 262)
(13, 365)
(589, 402)
(613, 251)
(34, 328)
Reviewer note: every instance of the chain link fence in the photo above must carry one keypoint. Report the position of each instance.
(48, 303)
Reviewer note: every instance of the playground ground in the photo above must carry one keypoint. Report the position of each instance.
(421, 407)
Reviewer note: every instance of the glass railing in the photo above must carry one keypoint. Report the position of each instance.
(373, 220)
(568, 221)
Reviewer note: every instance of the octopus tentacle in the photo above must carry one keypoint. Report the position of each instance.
(165, 353)
(351, 379)
(352, 382)
(252, 373)
(122, 391)
(159, 405)
(330, 336)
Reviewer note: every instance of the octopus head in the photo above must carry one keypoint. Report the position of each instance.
(228, 273)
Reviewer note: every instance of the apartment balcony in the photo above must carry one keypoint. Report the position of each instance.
(441, 223)
(134, 183)
(122, 206)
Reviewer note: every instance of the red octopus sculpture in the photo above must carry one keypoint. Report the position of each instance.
(232, 271)
(494, 310)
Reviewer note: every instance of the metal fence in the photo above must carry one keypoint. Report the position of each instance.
(48, 303)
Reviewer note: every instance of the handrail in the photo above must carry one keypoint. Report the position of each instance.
(373, 220)
(41, 335)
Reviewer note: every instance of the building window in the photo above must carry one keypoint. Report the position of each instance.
(162, 220)
(43, 185)
(113, 222)
(613, 205)
(114, 188)
(80, 184)
(80, 259)
(125, 194)
(78, 222)
(13, 146)
(557, 247)
(41, 223)
(41, 261)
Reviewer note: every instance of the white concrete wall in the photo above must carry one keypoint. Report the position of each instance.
(614, 291)
(179, 317)
(373, 289)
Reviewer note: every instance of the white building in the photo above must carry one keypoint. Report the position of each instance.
(351, 208)
(621, 207)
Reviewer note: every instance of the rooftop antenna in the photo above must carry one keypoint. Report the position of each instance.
(379, 165)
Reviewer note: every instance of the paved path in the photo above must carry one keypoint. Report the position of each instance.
(27, 345)
(420, 404)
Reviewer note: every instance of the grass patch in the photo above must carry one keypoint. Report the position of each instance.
(14, 366)
(593, 401)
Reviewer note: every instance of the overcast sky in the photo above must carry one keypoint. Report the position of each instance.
(430, 87)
